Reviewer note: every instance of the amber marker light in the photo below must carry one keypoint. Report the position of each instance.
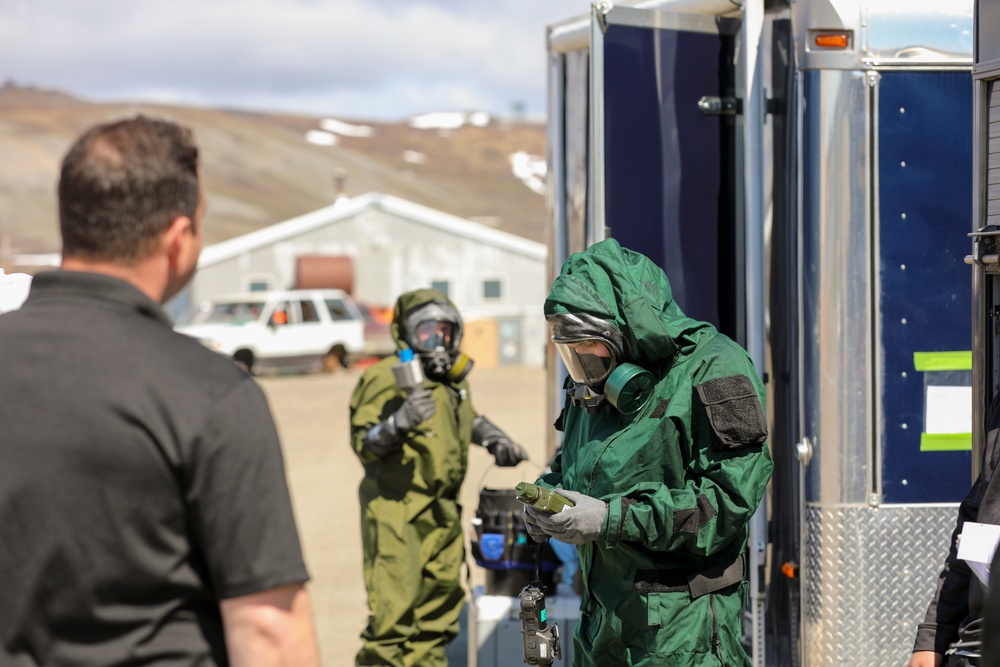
(832, 41)
(790, 570)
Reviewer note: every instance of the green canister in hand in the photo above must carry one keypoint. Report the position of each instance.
(541, 499)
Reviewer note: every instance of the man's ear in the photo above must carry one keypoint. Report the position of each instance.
(175, 239)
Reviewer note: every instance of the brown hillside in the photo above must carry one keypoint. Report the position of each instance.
(259, 169)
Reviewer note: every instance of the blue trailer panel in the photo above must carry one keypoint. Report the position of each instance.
(924, 207)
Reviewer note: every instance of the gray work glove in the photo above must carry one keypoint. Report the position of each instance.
(574, 525)
(507, 453)
(535, 531)
(417, 408)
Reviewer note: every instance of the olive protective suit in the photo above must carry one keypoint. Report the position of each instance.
(664, 574)
(410, 516)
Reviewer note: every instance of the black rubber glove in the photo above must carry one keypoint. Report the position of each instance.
(417, 408)
(382, 440)
(387, 437)
(506, 453)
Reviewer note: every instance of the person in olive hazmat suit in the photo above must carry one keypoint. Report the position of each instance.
(664, 456)
(414, 449)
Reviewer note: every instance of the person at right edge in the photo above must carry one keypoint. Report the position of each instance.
(952, 629)
(414, 445)
(664, 455)
(991, 624)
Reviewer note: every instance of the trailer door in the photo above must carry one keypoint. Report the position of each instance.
(664, 136)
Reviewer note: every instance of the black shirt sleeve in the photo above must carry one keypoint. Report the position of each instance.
(239, 511)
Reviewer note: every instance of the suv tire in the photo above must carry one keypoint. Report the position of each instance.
(244, 358)
(335, 359)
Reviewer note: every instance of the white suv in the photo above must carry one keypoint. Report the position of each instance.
(302, 328)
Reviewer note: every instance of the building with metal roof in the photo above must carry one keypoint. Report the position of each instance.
(381, 246)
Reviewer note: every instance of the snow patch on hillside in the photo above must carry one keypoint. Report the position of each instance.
(414, 157)
(450, 120)
(346, 129)
(530, 170)
(321, 138)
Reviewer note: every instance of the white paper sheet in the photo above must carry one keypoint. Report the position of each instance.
(949, 410)
(976, 546)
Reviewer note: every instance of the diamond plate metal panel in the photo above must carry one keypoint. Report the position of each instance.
(869, 575)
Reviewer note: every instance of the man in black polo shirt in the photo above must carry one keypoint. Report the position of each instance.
(144, 514)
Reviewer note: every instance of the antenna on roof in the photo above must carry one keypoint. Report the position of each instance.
(339, 185)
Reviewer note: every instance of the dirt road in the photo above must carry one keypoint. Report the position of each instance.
(312, 416)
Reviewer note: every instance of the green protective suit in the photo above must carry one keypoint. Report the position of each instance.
(410, 515)
(664, 584)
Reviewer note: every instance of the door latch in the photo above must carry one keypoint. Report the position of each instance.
(720, 106)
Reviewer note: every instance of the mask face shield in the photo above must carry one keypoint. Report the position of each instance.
(589, 361)
(430, 335)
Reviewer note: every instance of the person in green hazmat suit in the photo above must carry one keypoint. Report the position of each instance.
(413, 443)
(664, 456)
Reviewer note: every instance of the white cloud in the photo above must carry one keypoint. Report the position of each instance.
(378, 59)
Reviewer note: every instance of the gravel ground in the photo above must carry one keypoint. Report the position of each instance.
(312, 416)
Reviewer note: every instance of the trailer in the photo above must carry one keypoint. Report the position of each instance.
(804, 174)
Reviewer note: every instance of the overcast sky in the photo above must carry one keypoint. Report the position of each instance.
(362, 59)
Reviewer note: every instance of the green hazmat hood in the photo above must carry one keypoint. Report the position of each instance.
(628, 290)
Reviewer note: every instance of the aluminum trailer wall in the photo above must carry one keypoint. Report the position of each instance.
(885, 153)
(882, 291)
(868, 156)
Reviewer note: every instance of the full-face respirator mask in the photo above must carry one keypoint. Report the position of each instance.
(593, 352)
(434, 331)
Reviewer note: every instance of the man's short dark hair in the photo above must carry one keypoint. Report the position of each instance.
(121, 186)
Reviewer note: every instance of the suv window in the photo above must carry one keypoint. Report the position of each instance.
(237, 312)
(281, 313)
(338, 309)
(309, 313)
